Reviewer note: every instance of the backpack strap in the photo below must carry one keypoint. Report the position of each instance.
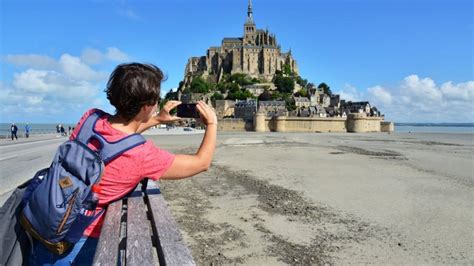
(108, 150)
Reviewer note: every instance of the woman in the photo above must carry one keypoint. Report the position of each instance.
(133, 89)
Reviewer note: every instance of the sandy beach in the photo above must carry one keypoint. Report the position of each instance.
(276, 198)
(273, 198)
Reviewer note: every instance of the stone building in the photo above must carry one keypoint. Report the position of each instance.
(256, 54)
(325, 100)
(302, 102)
(245, 109)
(335, 101)
(272, 108)
(315, 95)
(356, 107)
(259, 88)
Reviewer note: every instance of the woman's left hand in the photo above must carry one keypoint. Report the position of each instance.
(164, 117)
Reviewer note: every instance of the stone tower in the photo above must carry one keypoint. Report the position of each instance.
(250, 29)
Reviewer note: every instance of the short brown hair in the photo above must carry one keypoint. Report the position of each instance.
(133, 85)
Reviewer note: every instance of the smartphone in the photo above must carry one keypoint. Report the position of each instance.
(188, 110)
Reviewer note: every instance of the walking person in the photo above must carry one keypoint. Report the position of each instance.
(14, 130)
(134, 90)
(27, 131)
(63, 131)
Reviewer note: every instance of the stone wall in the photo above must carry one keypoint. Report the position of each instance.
(308, 124)
(354, 123)
(235, 124)
(359, 123)
(224, 108)
(386, 126)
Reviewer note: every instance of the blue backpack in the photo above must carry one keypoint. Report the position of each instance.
(60, 202)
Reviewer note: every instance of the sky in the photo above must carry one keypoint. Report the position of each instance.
(413, 60)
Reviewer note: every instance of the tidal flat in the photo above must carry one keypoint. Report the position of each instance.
(309, 198)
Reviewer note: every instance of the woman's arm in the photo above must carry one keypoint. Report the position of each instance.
(188, 165)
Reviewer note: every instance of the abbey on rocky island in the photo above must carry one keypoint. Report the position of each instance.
(256, 54)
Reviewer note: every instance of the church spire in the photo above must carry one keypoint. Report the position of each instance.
(250, 13)
(250, 31)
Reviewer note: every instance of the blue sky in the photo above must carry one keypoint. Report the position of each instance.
(411, 59)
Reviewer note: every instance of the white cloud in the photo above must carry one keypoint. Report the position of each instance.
(62, 87)
(381, 95)
(350, 93)
(93, 56)
(420, 89)
(32, 60)
(458, 92)
(35, 81)
(37, 85)
(418, 99)
(114, 54)
(76, 69)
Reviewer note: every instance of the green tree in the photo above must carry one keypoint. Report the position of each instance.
(265, 96)
(241, 79)
(171, 95)
(281, 96)
(232, 87)
(287, 70)
(216, 96)
(221, 87)
(290, 104)
(326, 89)
(277, 96)
(199, 85)
(284, 84)
(239, 95)
(255, 80)
(211, 86)
(302, 93)
(302, 82)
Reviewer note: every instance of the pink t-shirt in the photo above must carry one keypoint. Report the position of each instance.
(123, 173)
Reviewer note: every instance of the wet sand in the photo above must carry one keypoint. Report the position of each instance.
(274, 198)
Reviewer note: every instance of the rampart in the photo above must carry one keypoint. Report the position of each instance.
(386, 126)
(235, 124)
(357, 123)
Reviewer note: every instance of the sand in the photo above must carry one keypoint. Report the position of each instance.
(275, 198)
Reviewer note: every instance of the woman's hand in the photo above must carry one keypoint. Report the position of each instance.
(164, 117)
(208, 116)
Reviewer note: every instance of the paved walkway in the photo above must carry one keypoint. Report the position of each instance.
(32, 138)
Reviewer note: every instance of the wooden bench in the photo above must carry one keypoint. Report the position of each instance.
(139, 230)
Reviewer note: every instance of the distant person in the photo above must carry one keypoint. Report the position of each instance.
(27, 131)
(69, 131)
(14, 130)
(134, 90)
(57, 128)
(62, 130)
